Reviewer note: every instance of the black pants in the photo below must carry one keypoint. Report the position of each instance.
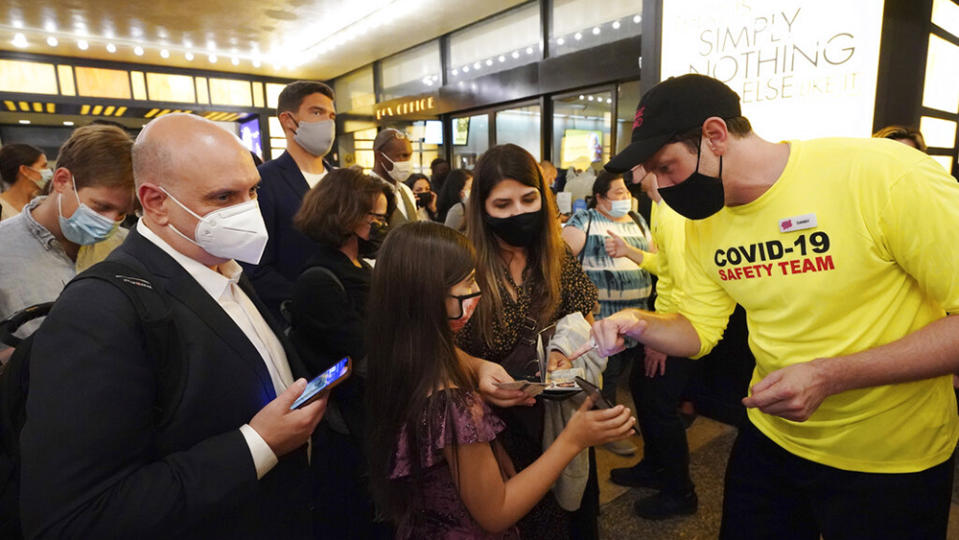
(664, 435)
(344, 506)
(771, 493)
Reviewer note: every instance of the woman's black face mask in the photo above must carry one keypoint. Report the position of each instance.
(520, 230)
(699, 196)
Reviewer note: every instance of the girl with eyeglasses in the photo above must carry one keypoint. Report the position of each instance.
(437, 464)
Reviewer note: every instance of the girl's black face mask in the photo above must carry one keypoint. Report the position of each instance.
(699, 196)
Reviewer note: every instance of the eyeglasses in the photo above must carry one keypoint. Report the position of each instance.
(381, 217)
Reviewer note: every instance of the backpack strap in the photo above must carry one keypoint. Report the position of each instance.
(156, 320)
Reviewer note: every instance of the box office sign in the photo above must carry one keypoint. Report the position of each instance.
(803, 68)
(405, 107)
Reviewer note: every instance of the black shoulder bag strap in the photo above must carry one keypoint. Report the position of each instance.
(589, 224)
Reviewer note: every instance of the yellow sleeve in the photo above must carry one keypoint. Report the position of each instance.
(703, 302)
(920, 226)
(666, 297)
(652, 262)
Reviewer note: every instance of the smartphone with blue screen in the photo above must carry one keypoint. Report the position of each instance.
(324, 381)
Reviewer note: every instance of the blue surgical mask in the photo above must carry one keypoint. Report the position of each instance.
(85, 226)
(45, 176)
(620, 207)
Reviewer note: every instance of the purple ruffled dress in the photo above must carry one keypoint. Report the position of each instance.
(462, 417)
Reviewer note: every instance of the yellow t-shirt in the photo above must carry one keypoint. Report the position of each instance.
(668, 230)
(853, 247)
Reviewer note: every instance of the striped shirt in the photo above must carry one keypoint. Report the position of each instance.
(620, 281)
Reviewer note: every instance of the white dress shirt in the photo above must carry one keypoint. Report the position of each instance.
(223, 288)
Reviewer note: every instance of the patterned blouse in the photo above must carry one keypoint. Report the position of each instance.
(578, 294)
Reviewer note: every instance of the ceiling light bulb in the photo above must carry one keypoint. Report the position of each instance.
(52, 41)
(138, 50)
(595, 30)
(256, 63)
(164, 53)
(609, 100)
(477, 65)
(50, 26)
(19, 41)
(83, 45)
(560, 41)
(235, 61)
(24, 121)
(529, 50)
(489, 61)
(590, 98)
(466, 69)
(502, 58)
(578, 36)
(515, 54)
(111, 48)
(582, 97)
(456, 72)
(212, 58)
(637, 19)
(67, 123)
(18, 23)
(188, 56)
(615, 25)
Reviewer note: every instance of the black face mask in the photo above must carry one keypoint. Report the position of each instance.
(423, 199)
(699, 196)
(519, 230)
(369, 248)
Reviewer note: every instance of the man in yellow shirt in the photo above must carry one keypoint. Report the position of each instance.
(842, 252)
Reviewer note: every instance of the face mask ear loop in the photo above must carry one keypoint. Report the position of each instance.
(76, 192)
(699, 151)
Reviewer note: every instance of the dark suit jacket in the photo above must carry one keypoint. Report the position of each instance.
(95, 465)
(282, 188)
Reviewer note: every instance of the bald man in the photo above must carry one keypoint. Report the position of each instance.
(230, 460)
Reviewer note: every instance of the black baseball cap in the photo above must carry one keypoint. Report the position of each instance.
(670, 108)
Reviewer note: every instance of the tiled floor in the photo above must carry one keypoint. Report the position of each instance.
(710, 443)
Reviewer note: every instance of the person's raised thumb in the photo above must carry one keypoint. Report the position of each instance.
(587, 404)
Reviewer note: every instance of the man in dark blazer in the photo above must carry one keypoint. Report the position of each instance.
(231, 461)
(305, 110)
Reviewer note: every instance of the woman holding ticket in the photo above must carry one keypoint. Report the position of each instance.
(437, 463)
(529, 280)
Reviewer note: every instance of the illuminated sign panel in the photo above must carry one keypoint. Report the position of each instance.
(403, 108)
(802, 69)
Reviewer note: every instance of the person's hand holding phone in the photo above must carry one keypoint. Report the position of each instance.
(589, 427)
(285, 430)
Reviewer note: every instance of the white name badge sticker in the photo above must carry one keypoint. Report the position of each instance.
(797, 223)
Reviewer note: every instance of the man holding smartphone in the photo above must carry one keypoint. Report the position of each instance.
(232, 458)
(851, 313)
